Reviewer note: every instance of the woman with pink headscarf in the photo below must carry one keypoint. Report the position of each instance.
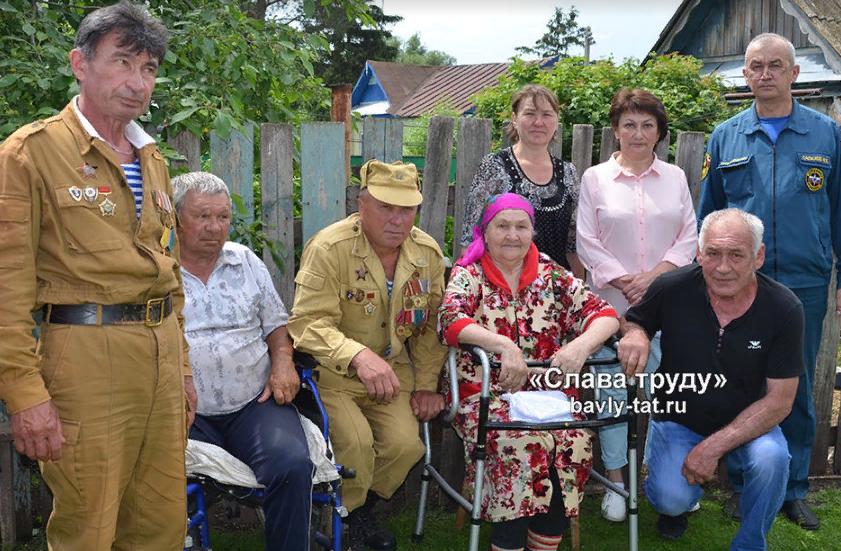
(519, 304)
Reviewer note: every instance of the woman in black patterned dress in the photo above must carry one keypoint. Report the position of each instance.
(528, 169)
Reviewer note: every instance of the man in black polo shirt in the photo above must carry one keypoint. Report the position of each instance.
(719, 318)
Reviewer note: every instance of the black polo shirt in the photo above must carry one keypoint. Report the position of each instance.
(765, 342)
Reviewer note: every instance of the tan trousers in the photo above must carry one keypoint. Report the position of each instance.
(380, 441)
(120, 483)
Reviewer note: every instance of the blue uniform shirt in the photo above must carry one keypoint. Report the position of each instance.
(793, 186)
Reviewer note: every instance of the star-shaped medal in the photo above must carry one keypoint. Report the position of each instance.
(87, 170)
(361, 273)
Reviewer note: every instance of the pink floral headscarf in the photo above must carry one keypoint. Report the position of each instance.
(493, 206)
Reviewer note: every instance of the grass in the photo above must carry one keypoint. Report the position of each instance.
(708, 530)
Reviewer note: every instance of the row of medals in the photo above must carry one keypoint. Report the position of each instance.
(91, 194)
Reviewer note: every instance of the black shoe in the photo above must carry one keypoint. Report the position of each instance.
(801, 514)
(672, 528)
(732, 507)
(363, 528)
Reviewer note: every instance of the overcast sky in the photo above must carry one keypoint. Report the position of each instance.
(488, 31)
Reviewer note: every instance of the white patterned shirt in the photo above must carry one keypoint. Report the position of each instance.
(226, 323)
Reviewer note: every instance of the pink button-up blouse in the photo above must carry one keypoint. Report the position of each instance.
(628, 224)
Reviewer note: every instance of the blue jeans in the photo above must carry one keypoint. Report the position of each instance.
(799, 426)
(613, 439)
(269, 438)
(765, 461)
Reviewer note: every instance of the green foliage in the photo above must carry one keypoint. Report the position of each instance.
(563, 32)
(248, 229)
(415, 130)
(413, 52)
(585, 92)
(352, 40)
(223, 68)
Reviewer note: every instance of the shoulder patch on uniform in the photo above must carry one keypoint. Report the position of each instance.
(705, 166)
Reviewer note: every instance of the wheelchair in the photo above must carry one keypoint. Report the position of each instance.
(480, 453)
(204, 490)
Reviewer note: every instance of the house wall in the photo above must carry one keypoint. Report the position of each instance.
(727, 28)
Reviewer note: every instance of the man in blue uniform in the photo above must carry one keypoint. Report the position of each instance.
(780, 161)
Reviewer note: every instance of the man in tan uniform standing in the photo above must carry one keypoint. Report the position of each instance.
(366, 307)
(88, 236)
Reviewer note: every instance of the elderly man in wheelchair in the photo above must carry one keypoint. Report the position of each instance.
(519, 305)
(241, 356)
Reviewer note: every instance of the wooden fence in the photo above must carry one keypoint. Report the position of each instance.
(326, 198)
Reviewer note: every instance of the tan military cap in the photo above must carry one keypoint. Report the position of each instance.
(396, 183)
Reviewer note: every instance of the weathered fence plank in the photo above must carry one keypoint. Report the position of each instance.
(474, 142)
(662, 149)
(608, 145)
(557, 148)
(382, 139)
(436, 177)
(823, 386)
(233, 162)
(278, 214)
(322, 176)
(8, 527)
(582, 147)
(688, 154)
(189, 146)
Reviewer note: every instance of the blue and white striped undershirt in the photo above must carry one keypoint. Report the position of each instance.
(135, 181)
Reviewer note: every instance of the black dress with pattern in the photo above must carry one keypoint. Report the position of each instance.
(555, 203)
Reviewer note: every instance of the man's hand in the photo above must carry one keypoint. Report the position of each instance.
(37, 432)
(283, 382)
(634, 348)
(699, 465)
(192, 400)
(377, 376)
(426, 404)
(838, 302)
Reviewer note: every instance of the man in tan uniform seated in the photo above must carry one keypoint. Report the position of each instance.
(367, 296)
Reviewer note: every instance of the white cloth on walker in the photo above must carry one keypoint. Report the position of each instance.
(215, 462)
(539, 406)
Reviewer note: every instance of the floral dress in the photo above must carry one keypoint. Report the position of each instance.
(554, 304)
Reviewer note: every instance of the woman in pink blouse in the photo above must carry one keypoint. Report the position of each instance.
(518, 305)
(635, 222)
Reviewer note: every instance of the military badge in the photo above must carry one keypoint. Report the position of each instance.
(107, 207)
(90, 194)
(75, 193)
(705, 167)
(814, 179)
(87, 170)
(370, 308)
(361, 273)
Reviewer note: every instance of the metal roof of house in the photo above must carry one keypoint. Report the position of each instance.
(454, 85)
(813, 68)
(412, 90)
